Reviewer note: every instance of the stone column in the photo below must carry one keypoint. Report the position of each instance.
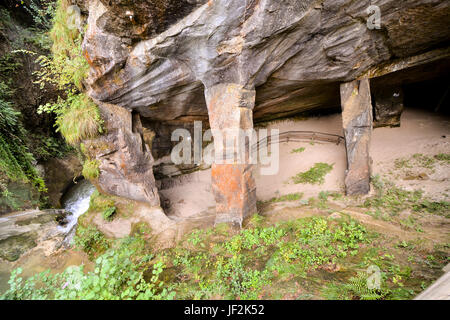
(230, 107)
(357, 122)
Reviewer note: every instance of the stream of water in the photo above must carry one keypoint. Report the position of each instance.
(76, 201)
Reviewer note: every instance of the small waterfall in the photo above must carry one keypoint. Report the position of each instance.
(76, 201)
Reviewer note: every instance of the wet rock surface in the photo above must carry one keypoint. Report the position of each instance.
(21, 232)
(59, 175)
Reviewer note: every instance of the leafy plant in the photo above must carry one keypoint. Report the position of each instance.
(90, 240)
(315, 175)
(50, 147)
(357, 287)
(78, 118)
(67, 67)
(118, 274)
(15, 160)
(299, 150)
(108, 214)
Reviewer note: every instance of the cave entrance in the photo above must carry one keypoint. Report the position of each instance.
(431, 95)
(422, 89)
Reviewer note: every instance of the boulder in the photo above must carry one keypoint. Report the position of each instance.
(21, 232)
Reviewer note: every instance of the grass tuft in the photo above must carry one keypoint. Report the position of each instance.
(80, 120)
(91, 170)
(299, 150)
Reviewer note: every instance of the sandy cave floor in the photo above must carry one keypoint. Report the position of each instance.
(421, 132)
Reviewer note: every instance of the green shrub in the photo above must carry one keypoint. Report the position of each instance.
(299, 150)
(108, 214)
(241, 266)
(67, 67)
(15, 159)
(50, 147)
(119, 274)
(78, 117)
(315, 175)
(79, 120)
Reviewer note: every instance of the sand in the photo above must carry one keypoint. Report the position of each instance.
(421, 132)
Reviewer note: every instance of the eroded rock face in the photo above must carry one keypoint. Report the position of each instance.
(230, 108)
(282, 48)
(143, 19)
(59, 174)
(125, 159)
(25, 230)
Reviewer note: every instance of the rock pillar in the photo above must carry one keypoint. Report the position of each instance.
(230, 108)
(357, 122)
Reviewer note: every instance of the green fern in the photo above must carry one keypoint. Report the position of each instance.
(108, 214)
(357, 287)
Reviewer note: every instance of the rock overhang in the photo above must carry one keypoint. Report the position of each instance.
(287, 47)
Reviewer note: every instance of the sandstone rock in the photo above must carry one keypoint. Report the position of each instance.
(234, 191)
(59, 174)
(230, 61)
(23, 231)
(357, 122)
(295, 53)
(125, 159)
(230, 108)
